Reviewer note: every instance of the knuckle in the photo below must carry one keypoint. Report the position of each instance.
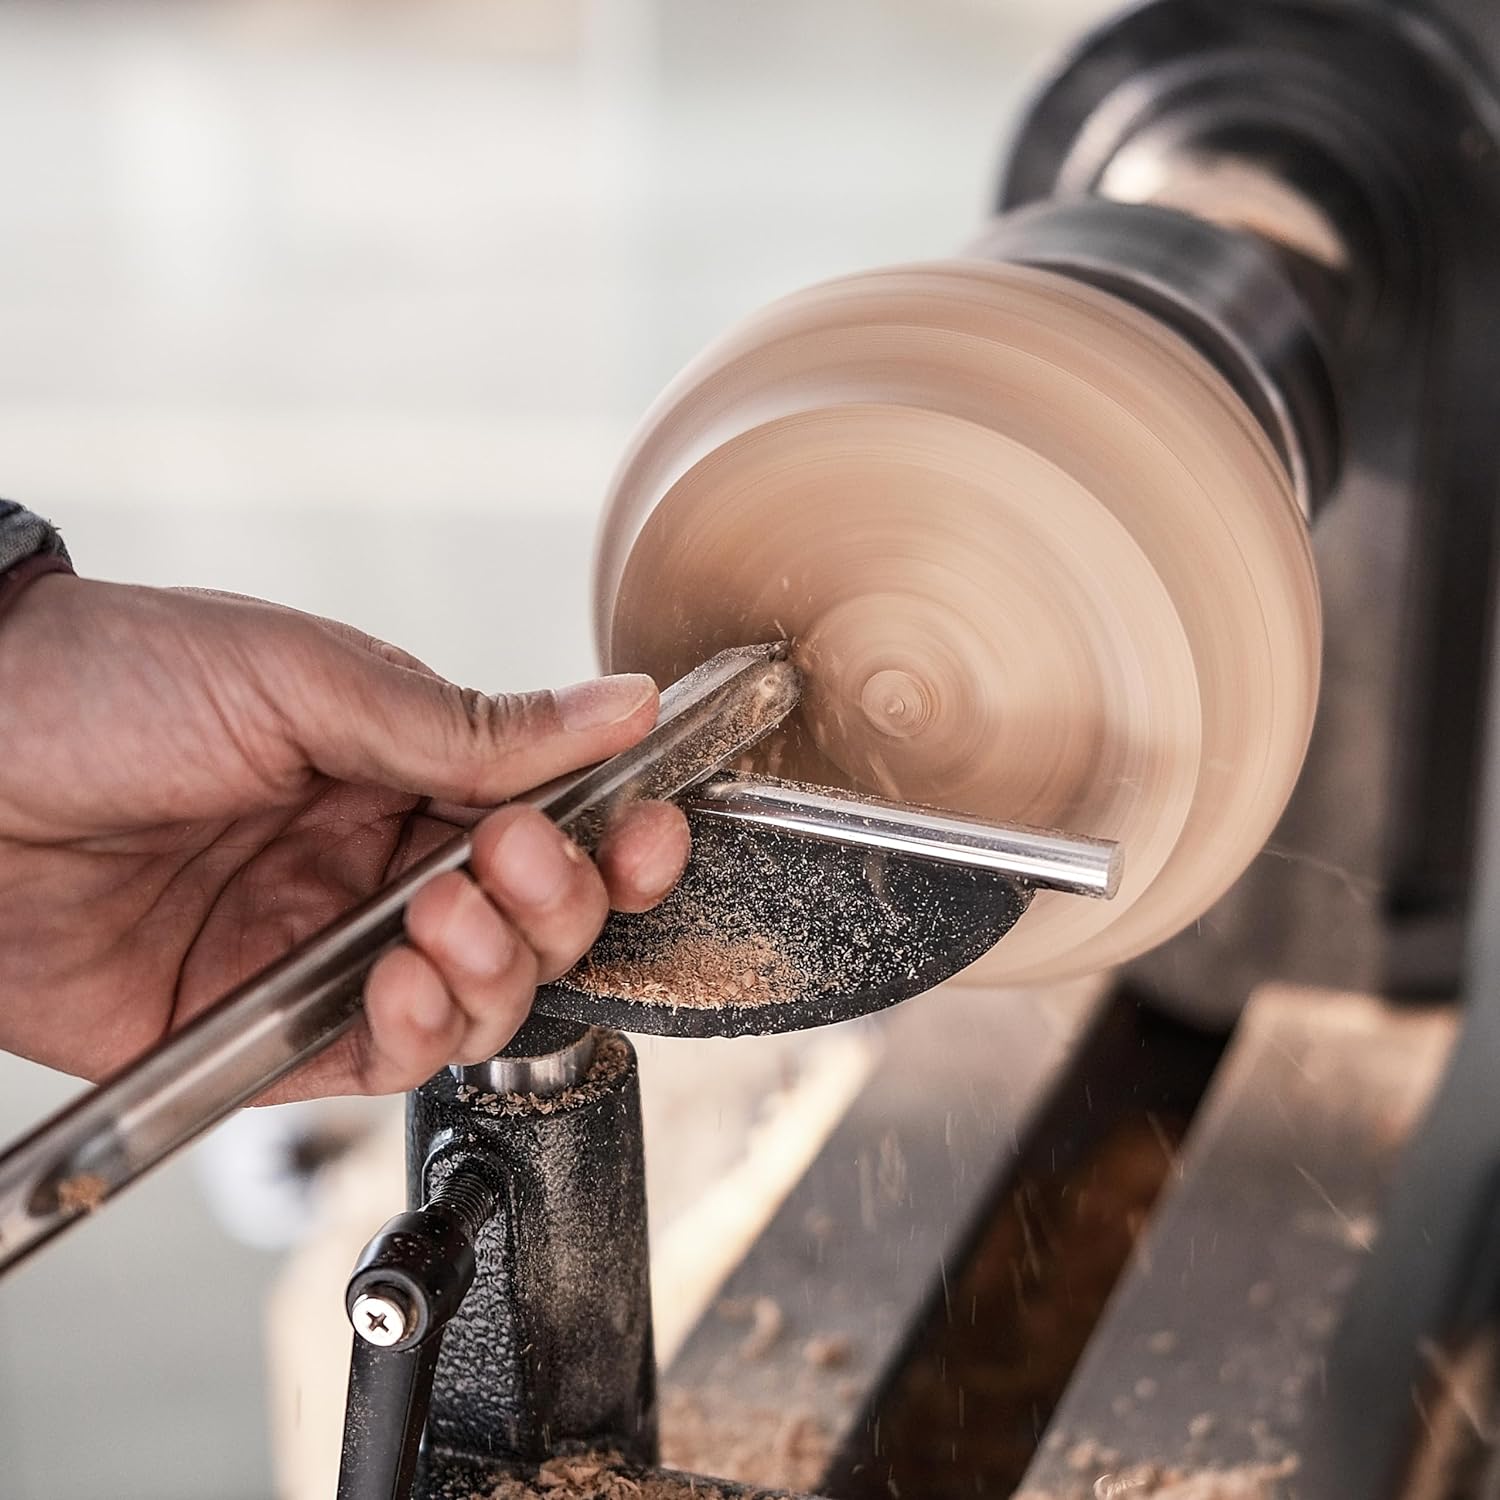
(485, 840)
(384, 976)
(500, 719)
(432, 908)
(529, 866)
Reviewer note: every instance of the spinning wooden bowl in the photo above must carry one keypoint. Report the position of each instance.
(1040, 563)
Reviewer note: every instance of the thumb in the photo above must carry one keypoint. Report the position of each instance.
(365, 718)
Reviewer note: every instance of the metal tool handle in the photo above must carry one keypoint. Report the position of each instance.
(410, 1281)
(292, 1010)
(390, 1392)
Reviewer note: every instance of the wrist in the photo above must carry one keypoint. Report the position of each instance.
(30, 549)
(14, 582)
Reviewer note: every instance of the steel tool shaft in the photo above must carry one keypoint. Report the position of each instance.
(1039, 856)
(296, 1007)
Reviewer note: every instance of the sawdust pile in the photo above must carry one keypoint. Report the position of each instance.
(760, 921)
(611, 1058)
(773, 1448)
(1158, 1482)
(594, 1476)
(701, 970)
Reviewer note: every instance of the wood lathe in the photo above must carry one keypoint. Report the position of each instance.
(1142, 551)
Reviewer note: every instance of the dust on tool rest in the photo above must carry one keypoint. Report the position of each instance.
(839, 905)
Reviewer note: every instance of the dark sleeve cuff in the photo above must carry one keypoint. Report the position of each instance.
(23, 534)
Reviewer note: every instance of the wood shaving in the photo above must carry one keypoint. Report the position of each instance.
(1090, 1455)
(769, 1447)
(1148, 1482)
(766, 1324)
(596, 1476)
(611, 1058)
(1162, 1482)
(81, 1193)
(764, 1316)
(819, 1225)
(828, 1351)
(699, 971)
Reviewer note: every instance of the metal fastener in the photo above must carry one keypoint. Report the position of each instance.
(380, 1317)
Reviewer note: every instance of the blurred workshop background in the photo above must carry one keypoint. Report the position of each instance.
(352, 304)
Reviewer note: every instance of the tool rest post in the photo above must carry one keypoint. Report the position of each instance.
(552, 1346)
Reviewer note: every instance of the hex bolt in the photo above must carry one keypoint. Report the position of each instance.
(381, 1316)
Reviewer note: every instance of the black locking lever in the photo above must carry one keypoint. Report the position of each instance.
(407, 1284)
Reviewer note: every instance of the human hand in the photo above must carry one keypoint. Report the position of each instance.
(191, 783)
